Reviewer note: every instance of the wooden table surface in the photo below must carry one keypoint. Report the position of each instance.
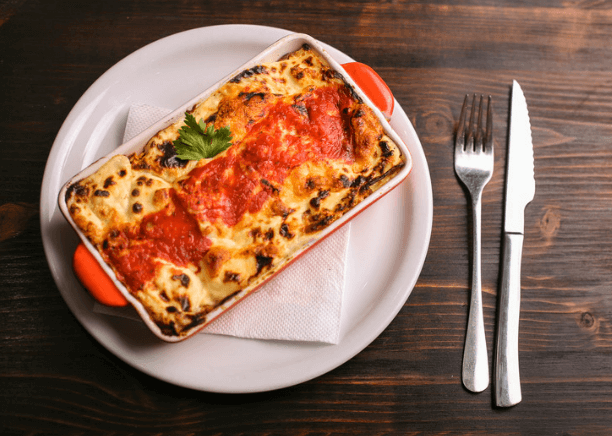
(56, 378)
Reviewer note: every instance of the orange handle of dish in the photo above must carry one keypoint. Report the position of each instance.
(94, 278)
(103, 289)
(373, 86)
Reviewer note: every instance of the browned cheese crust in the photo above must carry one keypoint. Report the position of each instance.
(239, 251)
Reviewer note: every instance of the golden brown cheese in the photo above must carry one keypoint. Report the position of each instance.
(183, 236)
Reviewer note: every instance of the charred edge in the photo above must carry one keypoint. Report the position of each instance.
(269, 185)
(229, 297)
(255, 233)
(347, 202)
(284, 231)
(169, 159)
(142, 165)
(330, 74)
(196, 320)
(167, 329)
(351, 91)
(384, 175)
(316, 201)
(183, 278)
(164, 296)
(184, 302)
(78, 189)
(122, 173)
(359, 180)
(231, 277)
(305, 47)
(280, 209)
(384, 147)
(249, 95)
(257, 69)
(137, 208)
(135, 192)
(101, 193)
(310, 184)
(379, 168)
(211, 119)
(109, 182)
(340, 207)
(320, 224)
(346, 182)
(301, 109)
(269, 235)
(262, 262)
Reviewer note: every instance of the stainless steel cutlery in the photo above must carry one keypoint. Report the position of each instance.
(520, 190)
(474, 167)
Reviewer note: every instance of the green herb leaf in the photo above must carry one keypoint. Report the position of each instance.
(196, 141)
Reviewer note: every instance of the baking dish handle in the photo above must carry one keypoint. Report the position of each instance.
(94, 278)
(99, 284)
(373, 86)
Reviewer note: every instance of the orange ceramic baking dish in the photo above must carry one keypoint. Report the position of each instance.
(101, 281)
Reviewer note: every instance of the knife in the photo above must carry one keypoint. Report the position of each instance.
(520, 190)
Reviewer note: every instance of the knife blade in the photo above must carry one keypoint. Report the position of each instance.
(519, 192)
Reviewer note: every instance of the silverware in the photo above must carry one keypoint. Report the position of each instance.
(474, 166)
(520, 190)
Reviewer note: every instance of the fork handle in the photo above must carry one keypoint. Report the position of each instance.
(475, 372)
(507, 379)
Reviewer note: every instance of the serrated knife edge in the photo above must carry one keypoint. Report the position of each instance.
(520, 177)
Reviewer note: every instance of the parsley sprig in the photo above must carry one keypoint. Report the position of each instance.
(197, 141)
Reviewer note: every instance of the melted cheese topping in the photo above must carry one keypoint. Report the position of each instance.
(183, 236)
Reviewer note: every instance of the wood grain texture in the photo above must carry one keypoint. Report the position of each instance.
(55, 378)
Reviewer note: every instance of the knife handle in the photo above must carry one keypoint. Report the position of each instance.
(507, 379)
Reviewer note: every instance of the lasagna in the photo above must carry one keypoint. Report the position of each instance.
(185, 236)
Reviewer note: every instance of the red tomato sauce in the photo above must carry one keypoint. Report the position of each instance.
(239, 182)
(171, 234)
(242, 180)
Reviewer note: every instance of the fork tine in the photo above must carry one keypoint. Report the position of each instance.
(470, 133)
(460, 140)
(488, 143)
(479, 127)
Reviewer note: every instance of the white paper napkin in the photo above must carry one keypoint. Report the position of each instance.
(302, 303)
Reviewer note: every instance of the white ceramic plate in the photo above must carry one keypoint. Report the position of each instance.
(388, 242)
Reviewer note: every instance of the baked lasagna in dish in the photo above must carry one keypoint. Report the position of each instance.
(185, 236)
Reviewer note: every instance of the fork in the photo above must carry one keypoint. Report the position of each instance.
(474, 166)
